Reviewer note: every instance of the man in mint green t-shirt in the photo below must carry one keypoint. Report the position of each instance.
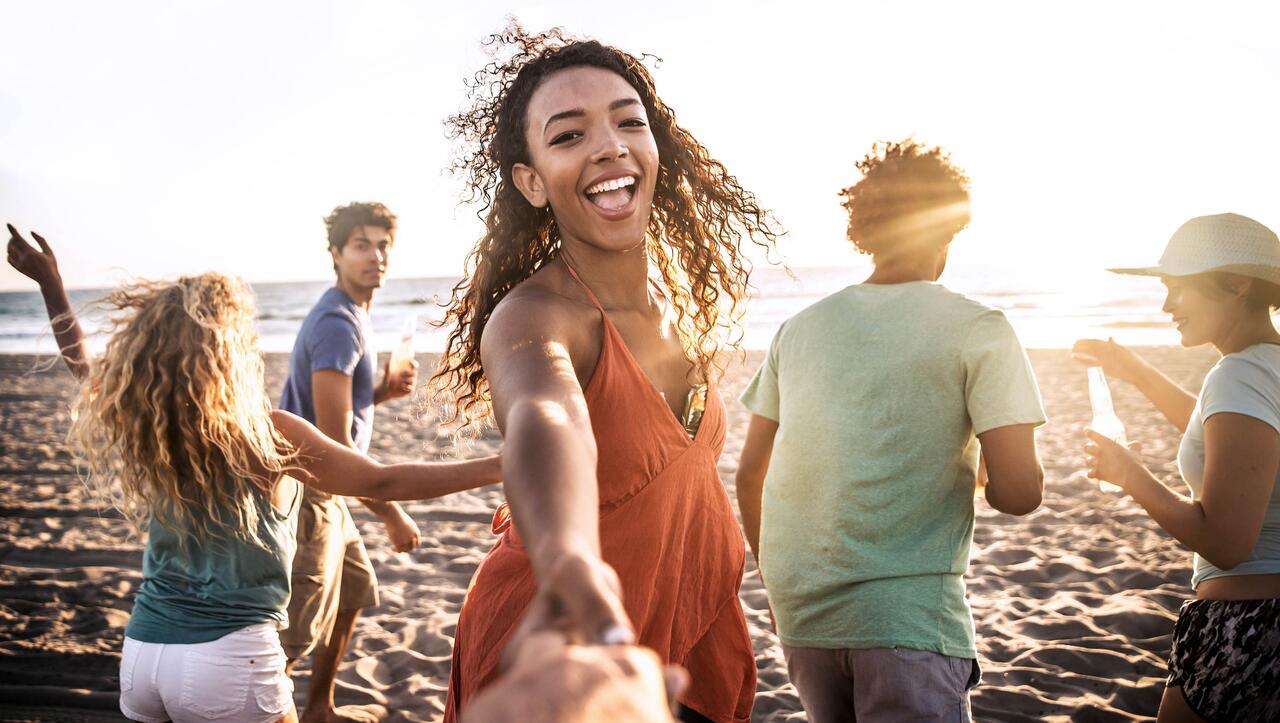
(857, 478)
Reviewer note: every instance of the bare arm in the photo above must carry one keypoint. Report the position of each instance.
(338, 469)
(331, 390)
(549, 466)
(42, 267)
(1174, 402)
(1015, 479)
(1241, 455)
(752, 466)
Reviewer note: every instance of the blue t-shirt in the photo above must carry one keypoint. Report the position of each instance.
(335, 335)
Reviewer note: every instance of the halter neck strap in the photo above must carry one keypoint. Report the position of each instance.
(574, 273)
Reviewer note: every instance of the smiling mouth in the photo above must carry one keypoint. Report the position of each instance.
(612, 195)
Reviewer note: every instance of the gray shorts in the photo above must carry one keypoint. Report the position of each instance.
(881, 684)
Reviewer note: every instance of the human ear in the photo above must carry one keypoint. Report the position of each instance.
(1245, 288)
(530, 185)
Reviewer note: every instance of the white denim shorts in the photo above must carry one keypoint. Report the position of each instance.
(236, 678)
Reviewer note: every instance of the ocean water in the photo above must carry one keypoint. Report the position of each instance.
(1048, 310)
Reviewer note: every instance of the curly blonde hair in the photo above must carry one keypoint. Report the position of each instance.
(173, 422)
(701, 217)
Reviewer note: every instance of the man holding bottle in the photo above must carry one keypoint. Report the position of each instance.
(332, 385)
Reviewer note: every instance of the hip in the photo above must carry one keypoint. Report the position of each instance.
(1239, 587)
(239, 676)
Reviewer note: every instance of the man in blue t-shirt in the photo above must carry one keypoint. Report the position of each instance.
(332, 385)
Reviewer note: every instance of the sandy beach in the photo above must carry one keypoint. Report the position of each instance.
(1074, 603)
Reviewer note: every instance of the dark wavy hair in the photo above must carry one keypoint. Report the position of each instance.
(342, 220)
(910, 195)
(701, 214)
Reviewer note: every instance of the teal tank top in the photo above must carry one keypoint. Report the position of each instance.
(202, 593)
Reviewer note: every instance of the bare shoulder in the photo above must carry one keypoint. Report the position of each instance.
(540, 310)
(548, 313)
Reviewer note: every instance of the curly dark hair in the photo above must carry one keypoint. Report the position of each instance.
(701, 214)
(343, 219)
(910, 196)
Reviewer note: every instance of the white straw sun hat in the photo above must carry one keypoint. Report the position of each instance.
(1222, 242)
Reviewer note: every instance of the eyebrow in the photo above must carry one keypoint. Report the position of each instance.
(578, 112)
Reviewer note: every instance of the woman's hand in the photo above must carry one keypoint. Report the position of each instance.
(1115, 359)
(580, 597)
(1111, 462)
(39, 266)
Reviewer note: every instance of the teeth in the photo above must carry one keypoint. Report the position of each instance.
(613, 185)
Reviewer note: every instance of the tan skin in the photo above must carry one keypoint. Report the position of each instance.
(1241, 453)
(541, 346)
(551, 681)
(325, 463)
(1011, 466)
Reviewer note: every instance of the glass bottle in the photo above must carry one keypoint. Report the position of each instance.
(402, 357)
(1105, 421)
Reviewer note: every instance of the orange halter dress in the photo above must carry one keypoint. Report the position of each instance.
(666, 527)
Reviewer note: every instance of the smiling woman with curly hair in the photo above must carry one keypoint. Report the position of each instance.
(608, 279)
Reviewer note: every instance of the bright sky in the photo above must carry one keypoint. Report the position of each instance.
(154, 138)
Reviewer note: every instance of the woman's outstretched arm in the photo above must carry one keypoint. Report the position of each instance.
(338, 469)
(549, 467)
(42, 267)
(1119, 362)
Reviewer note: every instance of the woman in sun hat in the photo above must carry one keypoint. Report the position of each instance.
(1223, 278)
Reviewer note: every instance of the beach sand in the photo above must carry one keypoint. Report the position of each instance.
(1074, 603)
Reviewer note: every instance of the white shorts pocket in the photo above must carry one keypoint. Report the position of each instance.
(214, 686)
(272, 689)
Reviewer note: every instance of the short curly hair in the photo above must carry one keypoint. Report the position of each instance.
(910, 196)
(344, 219)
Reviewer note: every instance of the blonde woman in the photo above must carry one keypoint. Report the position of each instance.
(173, 426)
(1222, 273)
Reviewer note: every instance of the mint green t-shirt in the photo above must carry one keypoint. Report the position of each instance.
(879, 391)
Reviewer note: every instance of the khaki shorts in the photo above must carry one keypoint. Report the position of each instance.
(331, 573)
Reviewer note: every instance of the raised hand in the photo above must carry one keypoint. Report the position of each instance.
(41, 266)
(1116, 360)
